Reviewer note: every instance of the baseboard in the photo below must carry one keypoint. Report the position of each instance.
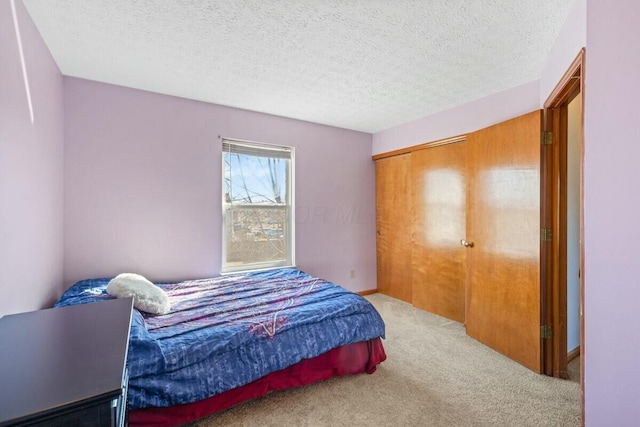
(368, 292)
(573, 354)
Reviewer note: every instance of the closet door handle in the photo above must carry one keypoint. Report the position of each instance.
(466, 243)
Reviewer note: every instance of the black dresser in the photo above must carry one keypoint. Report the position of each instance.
(65, 366)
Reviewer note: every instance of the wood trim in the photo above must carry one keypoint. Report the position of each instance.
(570, 85)
(547, 252)
(582, 266)
(367, 292)
(560, 267)
(573, 354)
(553, 216)
(452, 140)
(561, 93)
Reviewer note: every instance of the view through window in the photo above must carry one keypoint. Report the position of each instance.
(257, 206)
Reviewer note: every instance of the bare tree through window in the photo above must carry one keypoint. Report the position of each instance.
(257, 206)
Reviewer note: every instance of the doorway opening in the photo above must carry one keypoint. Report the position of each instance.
(562, 201)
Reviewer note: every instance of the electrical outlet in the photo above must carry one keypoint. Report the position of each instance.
(352, 273)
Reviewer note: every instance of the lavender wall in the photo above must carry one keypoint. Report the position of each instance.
(31, 169)
(460, 120)
(143, 187)
(612, 210)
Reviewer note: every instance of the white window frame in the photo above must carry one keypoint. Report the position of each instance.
(288, 205)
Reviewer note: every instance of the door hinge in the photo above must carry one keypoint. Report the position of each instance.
(545, 332)
(546, 138)
(545, 235)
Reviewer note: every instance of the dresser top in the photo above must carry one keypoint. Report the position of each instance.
(59, 357)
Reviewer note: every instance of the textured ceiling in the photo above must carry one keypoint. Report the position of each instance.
(359, 64)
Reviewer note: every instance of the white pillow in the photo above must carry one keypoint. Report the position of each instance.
(146, 296)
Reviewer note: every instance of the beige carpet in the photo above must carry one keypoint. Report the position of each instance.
(573, 369)
(434, 375)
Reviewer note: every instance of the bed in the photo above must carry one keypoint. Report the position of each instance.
(233, 338)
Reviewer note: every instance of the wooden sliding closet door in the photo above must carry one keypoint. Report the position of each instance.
(503, 221)
(393, 222)
(439, 195)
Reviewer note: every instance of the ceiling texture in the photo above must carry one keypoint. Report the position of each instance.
(366, 65)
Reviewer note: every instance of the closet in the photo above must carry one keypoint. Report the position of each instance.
(438, 188)
(463, 240)
(393, 223)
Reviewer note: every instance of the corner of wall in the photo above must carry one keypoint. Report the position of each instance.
(572, 38)
(31, 156)
(462, 119)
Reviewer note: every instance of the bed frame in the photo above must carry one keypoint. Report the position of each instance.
(349, 359)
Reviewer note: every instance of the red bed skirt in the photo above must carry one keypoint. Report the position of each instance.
(349, 359)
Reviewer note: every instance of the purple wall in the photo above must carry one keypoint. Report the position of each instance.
(612, 212)
(459, 120)
(31, 169)
(143, 187)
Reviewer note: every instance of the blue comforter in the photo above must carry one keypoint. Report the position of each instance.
(228, 331)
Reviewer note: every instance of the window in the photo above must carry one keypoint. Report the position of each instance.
(257, 206)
